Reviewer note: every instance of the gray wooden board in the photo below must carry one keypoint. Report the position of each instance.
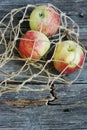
(69, 110)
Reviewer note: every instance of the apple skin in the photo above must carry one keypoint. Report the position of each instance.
(68, 54)
(33, 45)
(45, 19)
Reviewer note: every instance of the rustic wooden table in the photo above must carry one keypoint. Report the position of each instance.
(29, 111)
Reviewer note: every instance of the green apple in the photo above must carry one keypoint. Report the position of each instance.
(68, 57)
(45, 19)
(33, 45)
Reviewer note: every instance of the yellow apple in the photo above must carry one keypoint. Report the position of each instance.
(68, 57)
(45, 19)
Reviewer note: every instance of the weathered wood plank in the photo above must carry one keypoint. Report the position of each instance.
(73, 7)
(15, 66)
(47, 118)
(69, 110)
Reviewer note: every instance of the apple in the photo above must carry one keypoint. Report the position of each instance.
(68, 57)
(45, 19)
(33, 45)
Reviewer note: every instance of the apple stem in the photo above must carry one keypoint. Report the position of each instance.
(41, 15)
(70, 48)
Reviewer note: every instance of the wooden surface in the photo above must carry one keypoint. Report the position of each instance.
(32, 110)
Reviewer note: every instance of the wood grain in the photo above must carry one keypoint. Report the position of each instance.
(29, 110)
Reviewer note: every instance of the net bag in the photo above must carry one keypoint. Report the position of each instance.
(17, 73)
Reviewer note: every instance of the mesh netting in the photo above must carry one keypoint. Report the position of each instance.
(17, 73)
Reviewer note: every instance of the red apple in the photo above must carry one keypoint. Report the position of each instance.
(68, 55)
(45, 19)
(33, 45)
